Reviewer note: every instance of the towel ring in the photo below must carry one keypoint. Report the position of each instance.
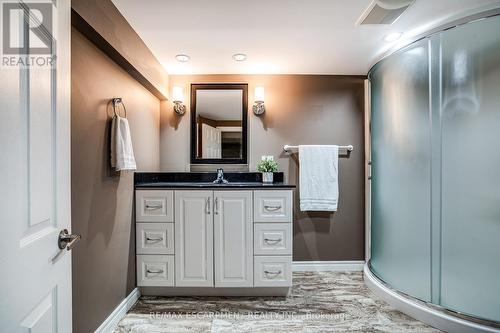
(115, 102)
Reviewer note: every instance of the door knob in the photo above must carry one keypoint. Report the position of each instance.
(67, 240)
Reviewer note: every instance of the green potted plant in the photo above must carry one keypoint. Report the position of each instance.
(267, 165)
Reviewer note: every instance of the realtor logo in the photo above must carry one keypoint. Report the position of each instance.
(27, 34)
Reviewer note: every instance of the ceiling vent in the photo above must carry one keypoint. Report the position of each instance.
(384, 11)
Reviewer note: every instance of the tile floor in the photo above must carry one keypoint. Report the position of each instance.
(319, 302)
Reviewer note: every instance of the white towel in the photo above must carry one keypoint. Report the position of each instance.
(122, 152)
(319, 189)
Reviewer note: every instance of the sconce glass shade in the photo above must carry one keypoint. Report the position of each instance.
(177, 95)
(258, 105)
(259, 94)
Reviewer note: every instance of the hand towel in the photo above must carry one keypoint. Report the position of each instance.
(122, 152)
(318, 181)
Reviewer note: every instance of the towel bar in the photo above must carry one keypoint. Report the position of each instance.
(288, 148)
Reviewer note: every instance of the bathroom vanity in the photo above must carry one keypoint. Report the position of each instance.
(194, 237)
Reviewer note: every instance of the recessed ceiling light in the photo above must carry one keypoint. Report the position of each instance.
(239, 57)
(182, 58)
(393, 36)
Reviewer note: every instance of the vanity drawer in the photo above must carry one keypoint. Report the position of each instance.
(154, 206)
(273, 206)
(155, 270)
(272, 271)
(272, 238)
(154, 238)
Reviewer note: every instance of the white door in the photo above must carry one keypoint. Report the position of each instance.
(35, 183)
(217, 143)
(193, 238)
(211, 142)
(233, 239)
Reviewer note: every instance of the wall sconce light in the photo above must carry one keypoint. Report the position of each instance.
(178, 98)
(258, 105)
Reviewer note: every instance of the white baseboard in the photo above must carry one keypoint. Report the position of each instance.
(110, 324)
(328, 266)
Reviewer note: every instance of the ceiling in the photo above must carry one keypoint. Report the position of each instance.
(279, 37)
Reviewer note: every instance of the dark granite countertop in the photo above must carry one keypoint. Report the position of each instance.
(204, 180)
(211, 185)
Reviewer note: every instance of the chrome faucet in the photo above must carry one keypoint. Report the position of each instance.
(220, 177)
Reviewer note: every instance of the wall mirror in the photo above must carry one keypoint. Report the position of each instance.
(219, 123)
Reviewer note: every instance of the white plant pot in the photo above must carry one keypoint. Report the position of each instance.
(267, 177)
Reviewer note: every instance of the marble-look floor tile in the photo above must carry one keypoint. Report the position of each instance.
(319, 302)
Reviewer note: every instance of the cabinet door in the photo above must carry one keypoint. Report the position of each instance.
(193, 238)
(233, 238)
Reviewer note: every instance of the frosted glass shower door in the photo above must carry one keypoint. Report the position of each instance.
(401, 171)
(470, 107)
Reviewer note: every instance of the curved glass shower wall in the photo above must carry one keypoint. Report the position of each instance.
(436, 169)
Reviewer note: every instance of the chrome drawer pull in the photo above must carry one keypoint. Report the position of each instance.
(151, 207)
(272, 208)
(272, 241)
(152, 239)
(272, 273)
(154, 271)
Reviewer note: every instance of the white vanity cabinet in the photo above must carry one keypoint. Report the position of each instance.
(210, 239)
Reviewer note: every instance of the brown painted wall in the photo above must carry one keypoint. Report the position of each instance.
(107, 20)
(104, 261)
(300, 109)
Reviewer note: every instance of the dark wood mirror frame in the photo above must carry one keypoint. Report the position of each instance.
(244, 122)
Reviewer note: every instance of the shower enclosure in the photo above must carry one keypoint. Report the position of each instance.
(435, 131)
